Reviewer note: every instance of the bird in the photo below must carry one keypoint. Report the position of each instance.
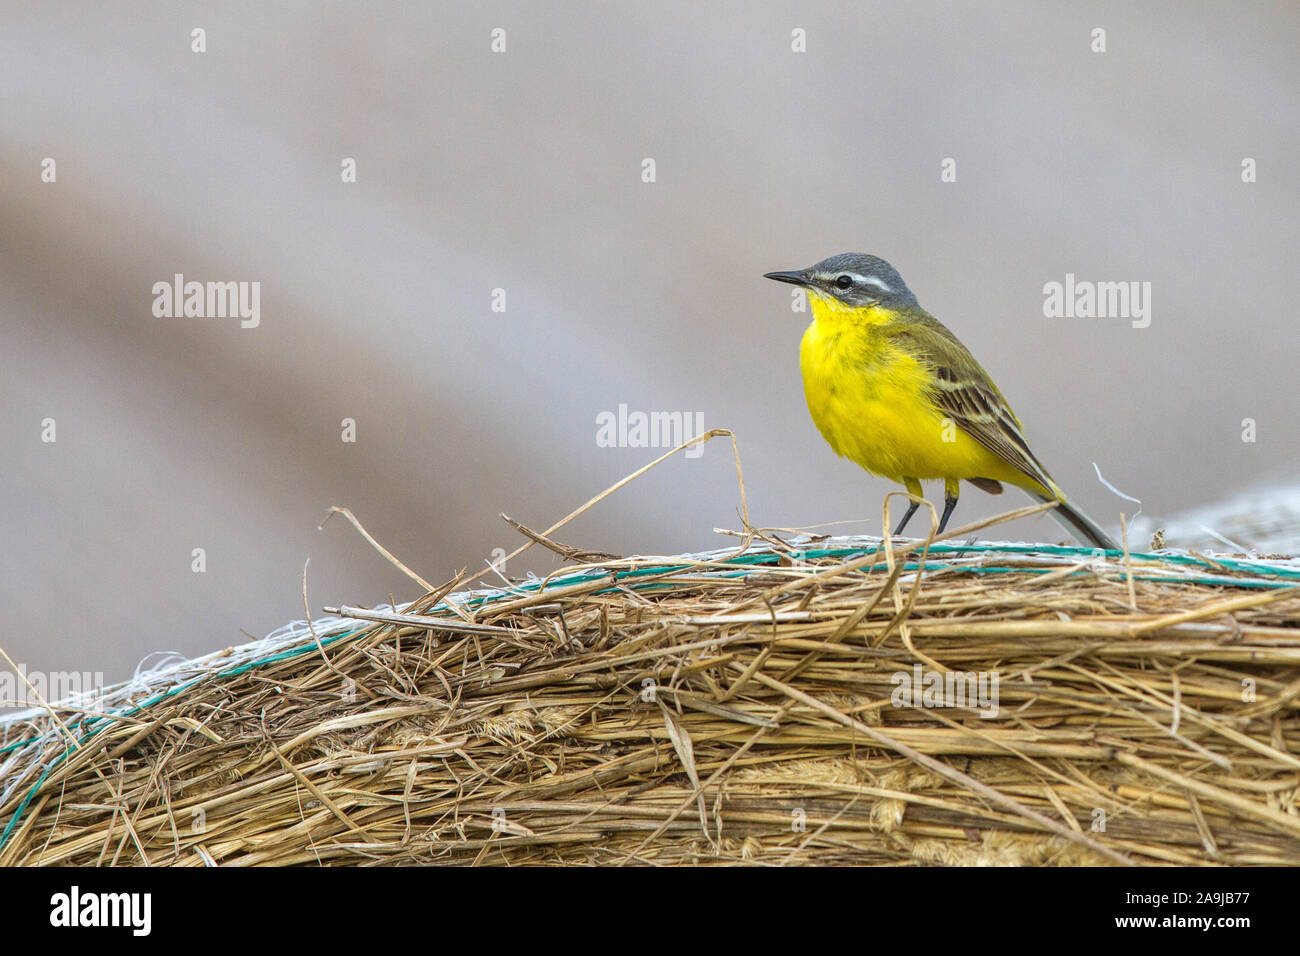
(892, 389)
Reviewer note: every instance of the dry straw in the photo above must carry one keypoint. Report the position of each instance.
(738, 706)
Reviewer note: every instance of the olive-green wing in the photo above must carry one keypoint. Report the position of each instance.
(966, 393)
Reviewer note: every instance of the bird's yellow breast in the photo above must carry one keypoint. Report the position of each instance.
(873, 401)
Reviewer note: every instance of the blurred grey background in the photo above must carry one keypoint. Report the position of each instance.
(522, 171)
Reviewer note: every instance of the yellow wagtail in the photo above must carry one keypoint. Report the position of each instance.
(890, 388)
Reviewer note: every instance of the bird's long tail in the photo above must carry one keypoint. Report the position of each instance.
(1071, 517)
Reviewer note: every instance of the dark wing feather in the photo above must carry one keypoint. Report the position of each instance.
(966, 393)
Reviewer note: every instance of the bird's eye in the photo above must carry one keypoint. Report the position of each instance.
(844, 282)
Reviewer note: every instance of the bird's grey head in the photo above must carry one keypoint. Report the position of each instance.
(854, 278)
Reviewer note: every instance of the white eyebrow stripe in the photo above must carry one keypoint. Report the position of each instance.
(872, 280)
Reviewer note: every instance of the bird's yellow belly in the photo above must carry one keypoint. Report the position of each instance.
(876, 409)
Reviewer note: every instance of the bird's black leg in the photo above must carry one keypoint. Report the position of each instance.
(911, 510)
(949, 502)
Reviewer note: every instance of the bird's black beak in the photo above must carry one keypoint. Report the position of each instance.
(794, 278)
